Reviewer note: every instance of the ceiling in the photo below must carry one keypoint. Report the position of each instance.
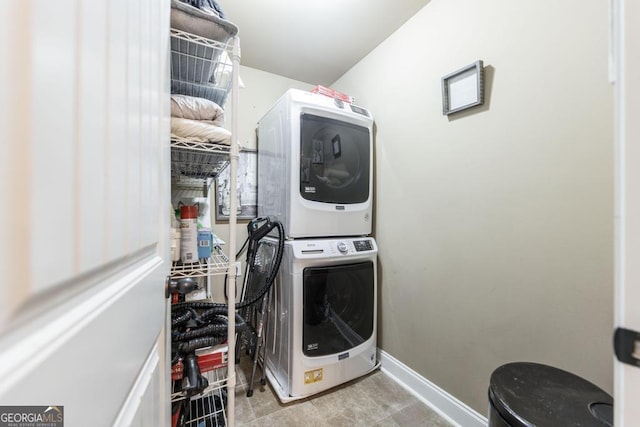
(314, 41)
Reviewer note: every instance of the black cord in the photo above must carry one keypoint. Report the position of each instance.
(272, 274)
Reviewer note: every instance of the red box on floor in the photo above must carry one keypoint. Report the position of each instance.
(332, 93)
(208, 360)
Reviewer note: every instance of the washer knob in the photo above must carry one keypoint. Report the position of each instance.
(342, 247)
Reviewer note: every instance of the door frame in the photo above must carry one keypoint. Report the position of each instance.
(625, 67)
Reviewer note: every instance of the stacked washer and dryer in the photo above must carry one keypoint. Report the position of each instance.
(315, 174)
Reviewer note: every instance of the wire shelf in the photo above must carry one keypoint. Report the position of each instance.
(208, 407)
(197, 160)
(193, 38)
(216, 264)
(208, 410)
(206, 68)
(204, 147)
(217, 379)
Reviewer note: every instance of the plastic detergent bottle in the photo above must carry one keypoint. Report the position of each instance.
(205, 238)
(189, 233)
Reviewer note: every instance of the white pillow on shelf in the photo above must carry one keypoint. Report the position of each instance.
(194, 108)
(199, 131)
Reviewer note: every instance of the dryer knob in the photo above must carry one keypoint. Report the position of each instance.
(342, 247)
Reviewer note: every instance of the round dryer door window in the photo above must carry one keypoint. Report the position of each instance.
(337, 308)
(335, 160)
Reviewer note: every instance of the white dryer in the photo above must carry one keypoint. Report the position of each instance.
(315, 169)
(321, 325)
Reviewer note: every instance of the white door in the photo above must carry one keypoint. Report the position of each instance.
(84, 186)
(626, 37)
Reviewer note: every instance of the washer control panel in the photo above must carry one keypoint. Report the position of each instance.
(354, 246)
(362, 245)
(324, 248)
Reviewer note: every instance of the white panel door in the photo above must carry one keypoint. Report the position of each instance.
(626, 38)
(84, 180)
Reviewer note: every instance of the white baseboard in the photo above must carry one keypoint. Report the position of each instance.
(442, 402)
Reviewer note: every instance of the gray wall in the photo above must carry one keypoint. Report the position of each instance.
(261, 90)
(495, 226)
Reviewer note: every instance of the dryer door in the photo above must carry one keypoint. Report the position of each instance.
(335, 159)
(338, 308)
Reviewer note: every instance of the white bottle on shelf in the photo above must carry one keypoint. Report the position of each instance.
(175, 244)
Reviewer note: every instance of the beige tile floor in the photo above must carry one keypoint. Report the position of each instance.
(373, 400)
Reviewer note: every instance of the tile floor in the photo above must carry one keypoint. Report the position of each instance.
(373, 400)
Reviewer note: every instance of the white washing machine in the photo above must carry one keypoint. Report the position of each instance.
(321, 324)
(315, 169)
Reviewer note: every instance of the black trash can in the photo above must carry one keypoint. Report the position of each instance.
(527, 394)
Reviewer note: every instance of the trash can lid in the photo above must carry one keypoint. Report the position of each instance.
(531, 394)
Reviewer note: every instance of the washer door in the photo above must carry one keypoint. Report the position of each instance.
(335, 157)
(338, 308)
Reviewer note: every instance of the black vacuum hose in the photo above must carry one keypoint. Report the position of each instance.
(200, 305)
(196, 343)
(180, 320)
(214, 311)
(209, 330)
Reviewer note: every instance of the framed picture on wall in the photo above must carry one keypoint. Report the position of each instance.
(247, 181)
(463, 88)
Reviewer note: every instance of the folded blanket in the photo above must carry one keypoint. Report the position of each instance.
(209, 6)
(192, 20)
(194, 108)
(199, 131)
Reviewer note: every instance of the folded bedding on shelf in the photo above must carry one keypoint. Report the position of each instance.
(210, 6)
(208, 91)
(195, 108)
(196, 21)
(199, 131)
